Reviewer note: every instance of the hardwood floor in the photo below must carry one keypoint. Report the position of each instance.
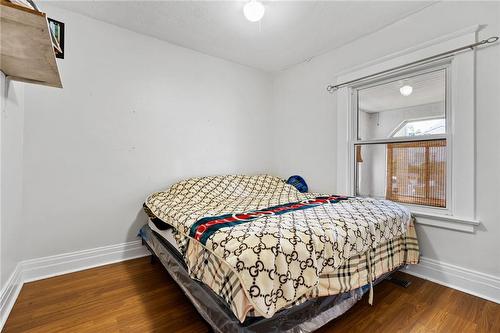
(135, 296)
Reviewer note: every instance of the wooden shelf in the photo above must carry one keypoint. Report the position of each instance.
(26, 52)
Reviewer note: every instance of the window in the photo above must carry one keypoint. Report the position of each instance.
(421, 127)
(366, 126)
(401, 138)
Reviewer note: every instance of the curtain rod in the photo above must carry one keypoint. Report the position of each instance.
(331, 88)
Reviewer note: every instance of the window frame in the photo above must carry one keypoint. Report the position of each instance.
(355, 141)
(463, 215)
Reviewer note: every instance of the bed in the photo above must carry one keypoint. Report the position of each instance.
(253, 254)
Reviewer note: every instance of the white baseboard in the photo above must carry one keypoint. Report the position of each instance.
(42, 268)
(9, 293)
(471, 282)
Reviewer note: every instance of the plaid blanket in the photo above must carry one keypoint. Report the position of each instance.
(276, 259)
(354, 273)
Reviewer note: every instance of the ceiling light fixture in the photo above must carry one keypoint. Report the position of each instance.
(254, 10)
(406, 90)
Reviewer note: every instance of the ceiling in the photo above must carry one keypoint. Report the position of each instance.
(428, 88)
(290, 32)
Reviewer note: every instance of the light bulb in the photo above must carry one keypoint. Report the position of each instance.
(406, 90)
(254, 11)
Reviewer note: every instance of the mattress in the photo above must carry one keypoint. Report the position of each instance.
(167, 235)
(262, 246)
(306, 317)
(355, 273)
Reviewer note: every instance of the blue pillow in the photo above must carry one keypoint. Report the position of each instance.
(298, 182)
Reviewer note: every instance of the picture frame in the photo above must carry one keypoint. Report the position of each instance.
(56, 29)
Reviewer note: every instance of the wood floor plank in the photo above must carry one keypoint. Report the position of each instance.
(135, 296)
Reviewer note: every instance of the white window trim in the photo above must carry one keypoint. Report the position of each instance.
(461, 213)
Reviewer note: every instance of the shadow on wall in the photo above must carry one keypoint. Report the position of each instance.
(425, 243)
(9, 93)
(424, 234)
(140, 220)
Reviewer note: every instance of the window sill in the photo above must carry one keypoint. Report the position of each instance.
(446, 221)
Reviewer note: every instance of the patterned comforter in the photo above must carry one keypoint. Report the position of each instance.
(276, 241)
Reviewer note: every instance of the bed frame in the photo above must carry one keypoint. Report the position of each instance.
(305, 317)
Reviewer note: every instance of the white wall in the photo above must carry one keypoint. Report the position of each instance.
(304, 142)
(11, 177)
(136, 114)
